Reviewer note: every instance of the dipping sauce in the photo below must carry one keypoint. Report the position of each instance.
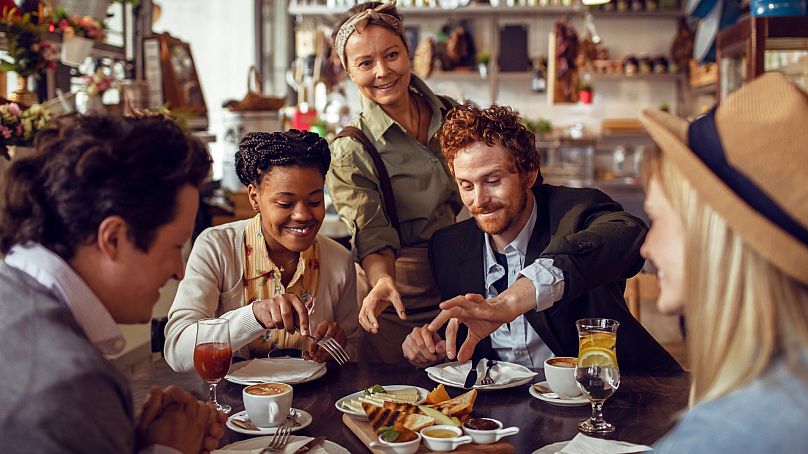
(481, 424)
(440, 433)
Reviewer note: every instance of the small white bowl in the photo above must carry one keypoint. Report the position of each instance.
(408, 447)
(486, 437)
(444, 444)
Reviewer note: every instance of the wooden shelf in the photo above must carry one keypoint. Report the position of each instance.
(667, 77)
(466, 76)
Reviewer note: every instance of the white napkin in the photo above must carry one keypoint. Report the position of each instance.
(278, 369)
(502, 372)
(582, 444)
(251, 448)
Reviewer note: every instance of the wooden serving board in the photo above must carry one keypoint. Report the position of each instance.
(365, 433)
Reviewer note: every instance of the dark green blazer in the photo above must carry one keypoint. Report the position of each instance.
(594, 242)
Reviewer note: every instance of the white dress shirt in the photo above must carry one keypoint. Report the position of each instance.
(517, 342)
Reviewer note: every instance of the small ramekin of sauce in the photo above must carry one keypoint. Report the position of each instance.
(484, 431)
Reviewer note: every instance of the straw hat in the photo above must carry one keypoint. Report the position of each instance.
(748, 159)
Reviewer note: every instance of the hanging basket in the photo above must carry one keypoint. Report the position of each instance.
(75, 50)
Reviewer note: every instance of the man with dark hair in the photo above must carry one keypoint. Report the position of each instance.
(536, 257)
(92, 225)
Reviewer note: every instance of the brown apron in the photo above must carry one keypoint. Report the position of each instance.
(420, 296)
(417, 288)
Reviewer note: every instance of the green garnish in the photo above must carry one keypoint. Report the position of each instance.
(389, 435)
(374, 389)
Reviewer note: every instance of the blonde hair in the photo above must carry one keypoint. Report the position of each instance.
(742, 312)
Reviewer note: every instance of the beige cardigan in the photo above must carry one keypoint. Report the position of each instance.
(213, 287)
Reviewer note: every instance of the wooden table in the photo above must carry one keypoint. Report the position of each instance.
(643, 409)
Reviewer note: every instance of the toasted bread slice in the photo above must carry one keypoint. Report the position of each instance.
(458, 406)
(381, 417)
(400, 407)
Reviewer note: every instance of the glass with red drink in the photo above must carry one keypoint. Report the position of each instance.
(213, 354)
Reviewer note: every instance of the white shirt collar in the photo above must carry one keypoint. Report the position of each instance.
(518, 244)
(68, 287)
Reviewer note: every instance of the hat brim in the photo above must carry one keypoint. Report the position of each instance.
(766, 238)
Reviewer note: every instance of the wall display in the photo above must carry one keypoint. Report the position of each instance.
(181, 87)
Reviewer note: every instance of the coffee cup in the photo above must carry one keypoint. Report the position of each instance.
(444, 437)
(560, 374)
(267, 404)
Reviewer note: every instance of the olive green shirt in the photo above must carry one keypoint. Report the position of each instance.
(425, 192)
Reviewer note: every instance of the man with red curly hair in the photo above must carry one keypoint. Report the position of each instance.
(533, 260)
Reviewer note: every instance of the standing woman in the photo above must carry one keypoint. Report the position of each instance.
(728, 198)
(392, 204)
(273, 275)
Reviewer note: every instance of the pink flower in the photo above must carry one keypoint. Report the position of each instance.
(14, 109)
(5, 132)
(18, 129)
(64, 24)
(35, 47)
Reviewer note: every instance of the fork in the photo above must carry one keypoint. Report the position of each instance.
(487, 380)
(281, 437)
(330, 345)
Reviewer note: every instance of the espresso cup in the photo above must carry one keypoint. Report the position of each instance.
(560, 374)
(444, 437)
(267, 404)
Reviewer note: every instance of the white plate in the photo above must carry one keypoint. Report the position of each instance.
(573, 402)
(552, 448)
(248, 382)
(493, 387)
(260, 442)
(339, 404)
(304, 420)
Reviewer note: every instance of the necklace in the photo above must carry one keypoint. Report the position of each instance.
(282, 268)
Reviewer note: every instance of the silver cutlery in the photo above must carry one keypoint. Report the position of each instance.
(487, 380)
(281, 437)
(330, 345)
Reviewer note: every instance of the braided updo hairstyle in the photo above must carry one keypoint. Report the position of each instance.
(259, 152)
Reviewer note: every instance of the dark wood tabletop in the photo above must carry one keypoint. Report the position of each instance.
(644, 408)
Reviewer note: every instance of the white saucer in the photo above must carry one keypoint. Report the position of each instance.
(304, 419)
(552, 448)
(251, 444)
(573, 402)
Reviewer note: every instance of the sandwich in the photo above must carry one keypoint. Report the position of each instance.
(459, 406)
(381, 417)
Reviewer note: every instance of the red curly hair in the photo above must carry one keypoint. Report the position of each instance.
(467, 124)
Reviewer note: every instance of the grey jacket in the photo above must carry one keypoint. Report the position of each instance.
(57, 392)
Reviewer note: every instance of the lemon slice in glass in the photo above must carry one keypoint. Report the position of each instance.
(596, 339)
(597, 357)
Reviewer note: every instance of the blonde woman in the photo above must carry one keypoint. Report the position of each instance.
(728, 198)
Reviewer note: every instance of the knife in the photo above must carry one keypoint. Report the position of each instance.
(310, 444)
(471, 378)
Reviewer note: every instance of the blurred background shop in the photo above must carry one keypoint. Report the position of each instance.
(578, 71)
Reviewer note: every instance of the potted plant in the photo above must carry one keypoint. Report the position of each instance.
(585, 93)
(483, 57)
(27, 54)
(95, 85)
(79, 32)
(18, 126)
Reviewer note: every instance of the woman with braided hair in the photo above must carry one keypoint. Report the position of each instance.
(389, 180)
(272, 276)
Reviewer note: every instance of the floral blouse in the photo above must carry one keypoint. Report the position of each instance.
(262, 280)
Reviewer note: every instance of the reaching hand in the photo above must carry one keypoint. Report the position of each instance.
(424, 348)
(481, 316)
(325, 328)
(282, 312)
(381, 295)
